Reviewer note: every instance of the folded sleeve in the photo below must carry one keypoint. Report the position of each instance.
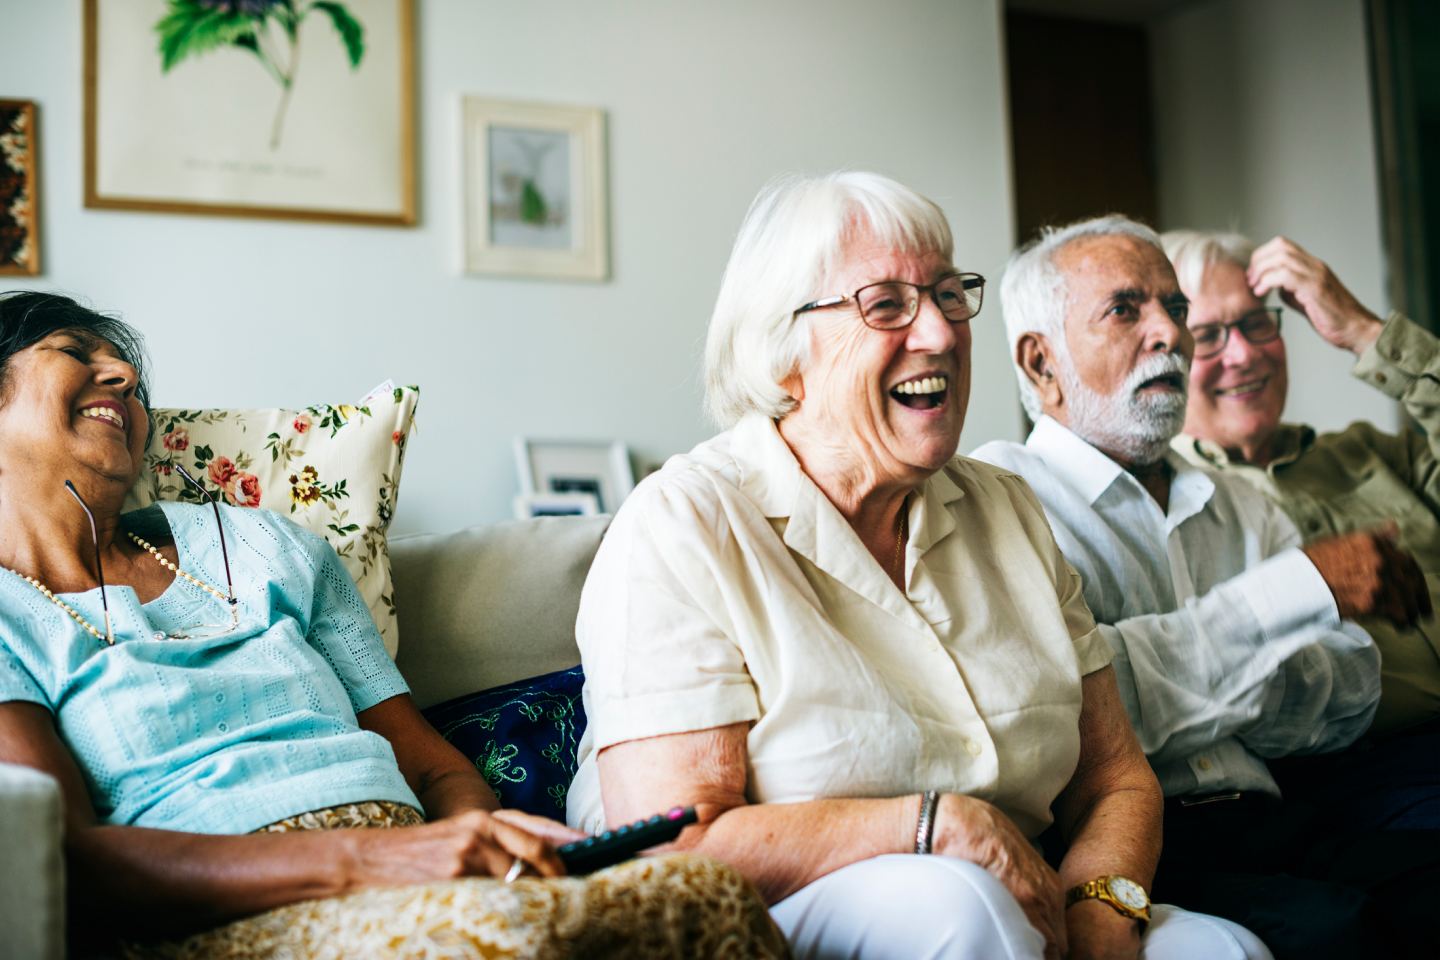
(340, 627)
(657, 642)
(1262, 657)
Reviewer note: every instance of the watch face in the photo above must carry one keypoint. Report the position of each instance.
(1130, 893)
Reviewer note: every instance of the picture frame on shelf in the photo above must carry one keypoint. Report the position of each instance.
(535, 190)
(600, 469)
(531, 505)
(225, 116)
(19, 188)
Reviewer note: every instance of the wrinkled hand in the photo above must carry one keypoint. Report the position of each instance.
(1371, 576)
(1098, 932)
(473, 843)
(1306, 284)
(974, 830)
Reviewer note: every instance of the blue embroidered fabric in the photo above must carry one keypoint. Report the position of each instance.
(522, 737)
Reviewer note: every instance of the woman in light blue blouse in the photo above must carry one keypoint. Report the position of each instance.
(208, 689)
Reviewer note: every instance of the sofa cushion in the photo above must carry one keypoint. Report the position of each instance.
(522, 737)
(334, 470)
(491, 604)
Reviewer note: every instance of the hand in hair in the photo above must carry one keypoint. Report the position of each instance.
(1307, 284)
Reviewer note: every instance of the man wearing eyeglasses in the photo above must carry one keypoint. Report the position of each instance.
(1232, 643)
(1358, 478)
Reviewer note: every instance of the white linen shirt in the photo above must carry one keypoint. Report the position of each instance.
(729, 589)
(1228, 646)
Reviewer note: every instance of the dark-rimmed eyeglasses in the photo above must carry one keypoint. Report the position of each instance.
(200, 631)
(894, 304)
(1257, 327)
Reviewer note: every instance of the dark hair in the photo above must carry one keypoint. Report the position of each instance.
(27, 317)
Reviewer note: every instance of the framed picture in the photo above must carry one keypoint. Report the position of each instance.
(299, 109)
(530, 505)
(535, 187)
(601, 470)
(19, 192)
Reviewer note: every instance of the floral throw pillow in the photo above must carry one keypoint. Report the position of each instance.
(522, 737)
(332, 469)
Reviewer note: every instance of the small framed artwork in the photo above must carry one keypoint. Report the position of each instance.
(530, 505)
(298, 109)
(535, 203)
(597, 469)
(19, 192)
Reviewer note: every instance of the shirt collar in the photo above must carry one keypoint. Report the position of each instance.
(1091, 473)
(1291, 440)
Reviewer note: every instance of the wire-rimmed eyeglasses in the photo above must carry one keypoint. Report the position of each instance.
(894, 304)
(1257, 327)
(200, 631)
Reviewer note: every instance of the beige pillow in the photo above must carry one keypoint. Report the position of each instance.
(334, 470)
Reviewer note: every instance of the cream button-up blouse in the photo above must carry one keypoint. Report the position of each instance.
(729, 589)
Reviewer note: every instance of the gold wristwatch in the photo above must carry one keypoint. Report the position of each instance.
(1127, 897)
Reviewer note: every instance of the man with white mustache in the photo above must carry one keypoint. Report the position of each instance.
(1230, 638)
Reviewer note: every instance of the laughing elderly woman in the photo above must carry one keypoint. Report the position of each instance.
(860, 656)
(223, 720)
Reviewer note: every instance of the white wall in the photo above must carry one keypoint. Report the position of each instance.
(1264, 124)
(706, 101)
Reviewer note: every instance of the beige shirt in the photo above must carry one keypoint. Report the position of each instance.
(729, 589)
(1359, 478)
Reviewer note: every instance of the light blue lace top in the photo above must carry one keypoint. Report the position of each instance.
(219, 735)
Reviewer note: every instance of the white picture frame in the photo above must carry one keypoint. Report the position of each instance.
(528, 506)
(598, 468)
(535, 190)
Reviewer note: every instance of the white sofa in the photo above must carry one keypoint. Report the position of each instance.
(477, 608)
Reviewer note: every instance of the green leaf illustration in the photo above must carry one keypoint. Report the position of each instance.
(532, 204)
(351, 33)
(190, 29)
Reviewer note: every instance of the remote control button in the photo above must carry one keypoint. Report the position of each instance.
(675, 813)
(622, 831)
(608, 835)
(655, 819)
(588, 843)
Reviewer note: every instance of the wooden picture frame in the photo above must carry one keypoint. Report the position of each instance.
(535, 190)
(19, 188)
(180, 119)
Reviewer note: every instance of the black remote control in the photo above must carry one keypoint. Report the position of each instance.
(622, 843)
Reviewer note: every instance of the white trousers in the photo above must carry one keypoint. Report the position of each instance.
(915, 907)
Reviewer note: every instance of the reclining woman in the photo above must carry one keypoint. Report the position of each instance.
(847, 646)
(221, 715)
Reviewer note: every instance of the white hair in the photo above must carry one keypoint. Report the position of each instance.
(1192, 252)
(1034, 297)
(793, 236)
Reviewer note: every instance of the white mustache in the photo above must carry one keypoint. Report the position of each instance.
(1157, 365)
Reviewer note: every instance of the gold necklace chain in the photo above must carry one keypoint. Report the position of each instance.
(900, 542)
(89, 627)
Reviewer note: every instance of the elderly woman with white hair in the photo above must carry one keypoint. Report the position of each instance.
(862, 658)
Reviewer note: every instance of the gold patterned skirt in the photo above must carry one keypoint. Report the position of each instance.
(679, 906)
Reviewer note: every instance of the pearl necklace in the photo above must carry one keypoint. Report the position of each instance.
(89, 627)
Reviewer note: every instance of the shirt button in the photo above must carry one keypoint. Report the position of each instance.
(1204, 763)
(219, 698)
(1312, 525)
(972, 748)
(222, 727)
(1379, 378)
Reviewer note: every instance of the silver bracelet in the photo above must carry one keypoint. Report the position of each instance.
(925, 826)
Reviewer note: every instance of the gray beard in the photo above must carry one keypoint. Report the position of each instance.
(1137, 429)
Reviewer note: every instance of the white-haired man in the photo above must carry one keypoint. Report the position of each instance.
(1328, 483)
(1229, 640)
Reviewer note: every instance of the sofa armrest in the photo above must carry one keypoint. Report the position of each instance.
(32, 882)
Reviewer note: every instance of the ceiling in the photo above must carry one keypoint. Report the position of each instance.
(1118, 11)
